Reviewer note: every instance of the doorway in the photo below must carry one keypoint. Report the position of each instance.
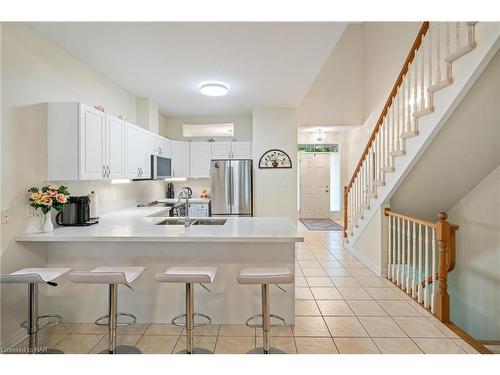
(314, 185)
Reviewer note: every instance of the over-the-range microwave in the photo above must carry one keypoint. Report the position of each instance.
(161, 168)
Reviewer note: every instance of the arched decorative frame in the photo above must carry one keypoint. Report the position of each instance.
(279, 160)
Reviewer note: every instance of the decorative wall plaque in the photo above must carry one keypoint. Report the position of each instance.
(275, 159)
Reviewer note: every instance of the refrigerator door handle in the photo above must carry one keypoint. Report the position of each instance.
(231, 187)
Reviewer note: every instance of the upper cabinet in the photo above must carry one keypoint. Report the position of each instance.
(221, 150)
(92, 144)
(115, 147)
(200, 156)
(231, 150)
(161, 146)
(180, 159)
(138, 152)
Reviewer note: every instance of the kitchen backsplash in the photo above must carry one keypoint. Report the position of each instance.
(196, 184)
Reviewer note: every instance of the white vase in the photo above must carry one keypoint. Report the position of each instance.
(47, 224)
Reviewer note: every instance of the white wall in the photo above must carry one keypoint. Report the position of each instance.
(275, 190)
(171, 127)
(335, 96)
(473, 285)
(35, 71)
(147, 114)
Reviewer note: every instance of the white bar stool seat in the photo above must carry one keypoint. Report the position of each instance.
(113, 276)
(189, 276)
(33, 277)
(265, 276)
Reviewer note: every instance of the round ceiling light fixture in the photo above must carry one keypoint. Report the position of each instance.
(214, 88)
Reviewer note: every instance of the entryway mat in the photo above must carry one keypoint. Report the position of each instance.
(321, 224)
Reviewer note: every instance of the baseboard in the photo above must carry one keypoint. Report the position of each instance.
(467, 338)
(13, 340)
(375, 268)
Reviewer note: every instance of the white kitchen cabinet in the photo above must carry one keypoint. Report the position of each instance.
(180, 159)
(161, 146)
(198, 209)
(115, 147)
(92, 143)
(221, 150)
(241, 150)
(132, 151)
(199, 159)
(144, 153)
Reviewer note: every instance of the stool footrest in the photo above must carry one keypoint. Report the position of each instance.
(256, 325)
(104, 320)
(175, 320)
(56, 319)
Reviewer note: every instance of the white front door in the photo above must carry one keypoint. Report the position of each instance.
(315, 185)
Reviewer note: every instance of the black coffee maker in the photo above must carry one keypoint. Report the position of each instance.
(76, 212)
(170, 190)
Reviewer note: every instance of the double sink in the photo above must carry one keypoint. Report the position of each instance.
(194, 221)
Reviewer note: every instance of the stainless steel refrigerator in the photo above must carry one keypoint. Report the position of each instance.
(231, 187)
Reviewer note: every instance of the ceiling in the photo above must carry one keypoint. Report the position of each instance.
(266, 64)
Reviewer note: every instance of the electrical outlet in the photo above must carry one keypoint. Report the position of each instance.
(114, 196)
(5, 217)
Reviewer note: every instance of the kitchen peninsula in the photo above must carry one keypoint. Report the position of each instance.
(135, 237)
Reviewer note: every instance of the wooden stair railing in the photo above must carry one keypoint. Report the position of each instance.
(420, 256)
(427, 69)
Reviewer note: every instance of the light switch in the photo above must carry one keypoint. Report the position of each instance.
(5, 216)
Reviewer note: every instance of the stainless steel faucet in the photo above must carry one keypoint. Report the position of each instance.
(184, 194)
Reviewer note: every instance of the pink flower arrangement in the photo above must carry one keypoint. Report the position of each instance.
(49, 197)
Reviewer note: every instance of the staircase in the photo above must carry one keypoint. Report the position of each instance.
(443, 63)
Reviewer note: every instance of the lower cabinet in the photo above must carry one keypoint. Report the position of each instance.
(198, 210)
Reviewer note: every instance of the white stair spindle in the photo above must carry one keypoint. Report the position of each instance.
(397, 123)
(426, 268)
(386, 143)
(389, 257)
(404, 261)
(399, 253)
(394, 223)
(408, 257)
(420, 259)
(415, 89)
(422, 74)
(403, 105)
(458, 42)
(434, 269)
(414, 248)
(429, 83)
(447, 42)
(438, 53)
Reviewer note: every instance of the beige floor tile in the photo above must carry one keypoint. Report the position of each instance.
(205, 342)
(306, 255)
(78, 344)
(90, 329)
(310, 326)
(321, 293)
(356, 346)
(309, 264)
(438, 346)
(210, 330)
(315, 345)
(371, 282)
(418, 327)
(236, 330)
(448, 332)
(383, 293)
(342, 326)
(303, 293)
(285, 331)
(361, 272)
(133, 329)
(327, 258)
(131, 340)
(356, 293)
(45, 340)
(287, 344)
(313, 272)
(335, 308)
(464, 346)
(151, 344)
(398, 308)
(163, 330)
(344, 281)
(306, 307)
(337, 272)
(378, 326)
(319, 281)
(352, 264)
(396, 345)
(298, 272)
(300, 281)
(234, 345)
(366, 308)
(65, 327)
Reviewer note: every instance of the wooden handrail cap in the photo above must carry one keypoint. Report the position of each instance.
(443, 216)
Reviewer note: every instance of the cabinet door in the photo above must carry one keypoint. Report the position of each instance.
(180, 159)
(166, 146)
(115, 147)
(144, 153)
(199, 159)
(241, 150)
(92, 144)
(156, 143)
(221, 150)
(131, 152)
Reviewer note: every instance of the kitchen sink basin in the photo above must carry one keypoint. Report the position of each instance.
(200, 221)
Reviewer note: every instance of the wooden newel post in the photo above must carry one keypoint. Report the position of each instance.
(345, 211)
(442, 297)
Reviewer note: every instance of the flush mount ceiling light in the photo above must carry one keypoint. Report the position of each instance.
(320, 135)
(214, 88)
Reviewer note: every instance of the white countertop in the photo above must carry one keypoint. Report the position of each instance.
(136, 224)
(191, 200)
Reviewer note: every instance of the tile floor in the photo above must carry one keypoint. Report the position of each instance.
(341, 307)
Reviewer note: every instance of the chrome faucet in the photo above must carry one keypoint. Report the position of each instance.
(184, 194)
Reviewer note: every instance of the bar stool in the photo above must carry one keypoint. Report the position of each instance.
(189, 276)
(112, 276)
(264, 277)
(33, 277)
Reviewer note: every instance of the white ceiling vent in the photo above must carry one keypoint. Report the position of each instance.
(208, 130)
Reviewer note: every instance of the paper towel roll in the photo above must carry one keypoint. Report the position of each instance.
(94, 205)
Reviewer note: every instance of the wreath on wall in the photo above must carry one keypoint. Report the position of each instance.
(275, 159)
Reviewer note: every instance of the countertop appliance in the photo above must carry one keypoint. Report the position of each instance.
(160, 167)
(76, 212)
(231, 187)
(170, 191)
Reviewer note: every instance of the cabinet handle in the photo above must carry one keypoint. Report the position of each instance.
(103, 171)
(109, 171)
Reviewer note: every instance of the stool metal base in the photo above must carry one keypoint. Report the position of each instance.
(260, 350)
(123, 349)
(196, 351)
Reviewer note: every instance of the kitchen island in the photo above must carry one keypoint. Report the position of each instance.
(133, 237)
